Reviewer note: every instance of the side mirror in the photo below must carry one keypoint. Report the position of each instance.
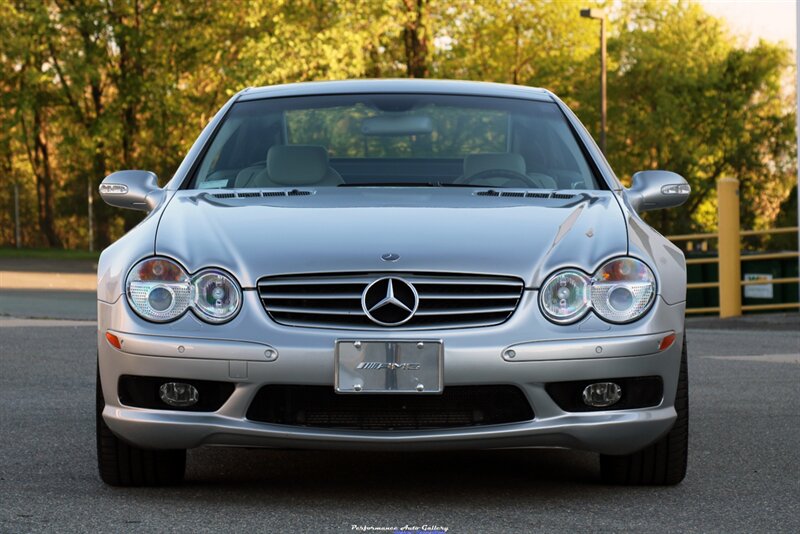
(133, 190)
(655, 190)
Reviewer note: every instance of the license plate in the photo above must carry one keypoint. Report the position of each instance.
(388, 366)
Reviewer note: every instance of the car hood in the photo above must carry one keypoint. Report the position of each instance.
(430, 229)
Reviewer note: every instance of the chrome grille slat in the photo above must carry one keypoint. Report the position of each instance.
(315, 311)
(456, 296)
(367, 326)
(450, 280)
(446, 300)
(329, 280)
(290, 295)
(464, 311)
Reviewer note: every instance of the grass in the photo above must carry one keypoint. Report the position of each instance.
(47, 254)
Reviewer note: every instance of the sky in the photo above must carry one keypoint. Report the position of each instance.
(774, 20)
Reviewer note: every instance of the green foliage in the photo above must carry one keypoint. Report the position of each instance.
(91, 86)
(47, 254)
(684, 97)
(455, 133)
(543, 44)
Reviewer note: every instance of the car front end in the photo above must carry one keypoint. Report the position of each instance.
(256, 308)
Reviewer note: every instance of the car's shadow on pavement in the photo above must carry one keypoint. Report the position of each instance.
(324, 474)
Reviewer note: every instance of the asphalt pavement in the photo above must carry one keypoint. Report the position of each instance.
(48, 304)
(743, 467)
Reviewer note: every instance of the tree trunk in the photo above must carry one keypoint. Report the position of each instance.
(44, 181)
(415, 37)
(102, 212)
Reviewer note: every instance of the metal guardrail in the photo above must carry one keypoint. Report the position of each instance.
(729, 258)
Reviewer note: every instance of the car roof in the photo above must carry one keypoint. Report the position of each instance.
(403, 85)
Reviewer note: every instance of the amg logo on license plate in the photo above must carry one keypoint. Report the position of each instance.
(392, 366)
(399, 366)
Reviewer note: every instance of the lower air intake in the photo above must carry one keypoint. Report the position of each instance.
(457, 406)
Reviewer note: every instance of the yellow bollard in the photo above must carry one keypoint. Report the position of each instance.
(730, 267)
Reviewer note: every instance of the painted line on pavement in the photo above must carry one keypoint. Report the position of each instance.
(13, 322)
(766, 358)
(52, 281)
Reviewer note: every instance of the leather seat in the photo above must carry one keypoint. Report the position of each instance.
(291, 166)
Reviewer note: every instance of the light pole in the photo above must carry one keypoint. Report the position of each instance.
(17, 239)
(797, 90)
(90, 200)
(600, 14)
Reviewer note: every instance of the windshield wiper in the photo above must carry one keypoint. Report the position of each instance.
(412, 184)
(450, 184)
(389, 184)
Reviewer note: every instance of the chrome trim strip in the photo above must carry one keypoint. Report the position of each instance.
(575, 349)
(183, 347)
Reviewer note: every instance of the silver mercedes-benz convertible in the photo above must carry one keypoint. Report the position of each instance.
(392, 264)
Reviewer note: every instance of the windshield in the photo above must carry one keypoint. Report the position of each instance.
(368, 140)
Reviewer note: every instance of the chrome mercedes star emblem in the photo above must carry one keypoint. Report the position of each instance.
(389, 301)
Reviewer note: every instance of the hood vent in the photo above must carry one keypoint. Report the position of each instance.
(265, 194)
(523, 194)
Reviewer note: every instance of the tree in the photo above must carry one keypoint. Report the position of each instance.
(91, 86)
(543, 44)
(26, 95)
(684, 97)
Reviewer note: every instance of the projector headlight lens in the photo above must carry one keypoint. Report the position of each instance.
(623, 290)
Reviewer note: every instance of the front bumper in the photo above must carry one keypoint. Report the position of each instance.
(252, 351)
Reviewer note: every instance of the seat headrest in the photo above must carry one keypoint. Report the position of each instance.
(475, 163)
(297, 164)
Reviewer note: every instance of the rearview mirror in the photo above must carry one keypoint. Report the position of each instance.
(655, 190)
(133, 190)
(397, 125)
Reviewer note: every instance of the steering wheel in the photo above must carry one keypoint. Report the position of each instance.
(501, 173)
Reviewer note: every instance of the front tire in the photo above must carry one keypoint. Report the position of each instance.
(122, 464)
(664, 462)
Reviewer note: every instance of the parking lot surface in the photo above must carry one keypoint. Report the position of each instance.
(743, 468)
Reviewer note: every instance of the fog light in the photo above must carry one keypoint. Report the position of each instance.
(178, 394)
(602, 394)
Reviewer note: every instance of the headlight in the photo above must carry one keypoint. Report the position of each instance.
(216, 296)
(159, 290)
(565, 296)
(623, 290)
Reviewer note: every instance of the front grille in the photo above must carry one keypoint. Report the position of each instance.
(445, 301)
(457, 406)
